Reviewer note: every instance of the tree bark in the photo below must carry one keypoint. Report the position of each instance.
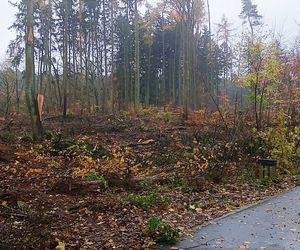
(37, 128)
(137, 59)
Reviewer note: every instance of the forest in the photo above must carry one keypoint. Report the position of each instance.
(124, 124)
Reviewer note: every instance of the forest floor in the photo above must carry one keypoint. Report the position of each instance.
(97, 181)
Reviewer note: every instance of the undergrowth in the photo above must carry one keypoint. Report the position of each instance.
(149, 198)
(162, 231)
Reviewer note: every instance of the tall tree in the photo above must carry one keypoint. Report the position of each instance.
(66, 42)
(137, 57)
(31, 99)
(224, 35)
(250, 15)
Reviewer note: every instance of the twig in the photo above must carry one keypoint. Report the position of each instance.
(14, 214)
(199, 245)
(53, 117)
(218, 108)
(177, 128)
(144, 143)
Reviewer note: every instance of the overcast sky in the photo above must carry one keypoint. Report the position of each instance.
(280, 15)
(6, 19)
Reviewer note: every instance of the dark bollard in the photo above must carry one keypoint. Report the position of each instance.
(267, 164)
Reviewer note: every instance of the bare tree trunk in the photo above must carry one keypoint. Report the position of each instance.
(37, 129)
(17, 89)
(147, 94)
(65, 58)
(137, 59)
(112, 57)
(163, 85)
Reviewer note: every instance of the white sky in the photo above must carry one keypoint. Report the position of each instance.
(282, 16)
(6, 20)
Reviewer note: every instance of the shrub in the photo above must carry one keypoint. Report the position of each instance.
(248, 176)
(162, 232)
(26, 138)
(282, 143)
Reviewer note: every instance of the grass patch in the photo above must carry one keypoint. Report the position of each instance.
(248, 176)
(95, 177)
(149, 199)
(264, 181)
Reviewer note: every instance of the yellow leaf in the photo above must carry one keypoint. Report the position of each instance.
(151, 244)
(4, 204)
(60, 246)
(199, 210)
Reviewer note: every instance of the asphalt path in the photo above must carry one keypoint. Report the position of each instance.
(271, 224)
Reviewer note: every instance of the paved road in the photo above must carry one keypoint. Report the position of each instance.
(273, 224)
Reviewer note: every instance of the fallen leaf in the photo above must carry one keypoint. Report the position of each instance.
(192, 207)
(150, 244)
(199, 210)
(60, 246)
(4, 204)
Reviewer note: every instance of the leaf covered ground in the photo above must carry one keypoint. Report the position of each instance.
(122, 182)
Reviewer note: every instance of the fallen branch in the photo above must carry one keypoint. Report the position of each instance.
(144, 143)
(55, 117)
(177, 128)
(5, 196)
(14, 214)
